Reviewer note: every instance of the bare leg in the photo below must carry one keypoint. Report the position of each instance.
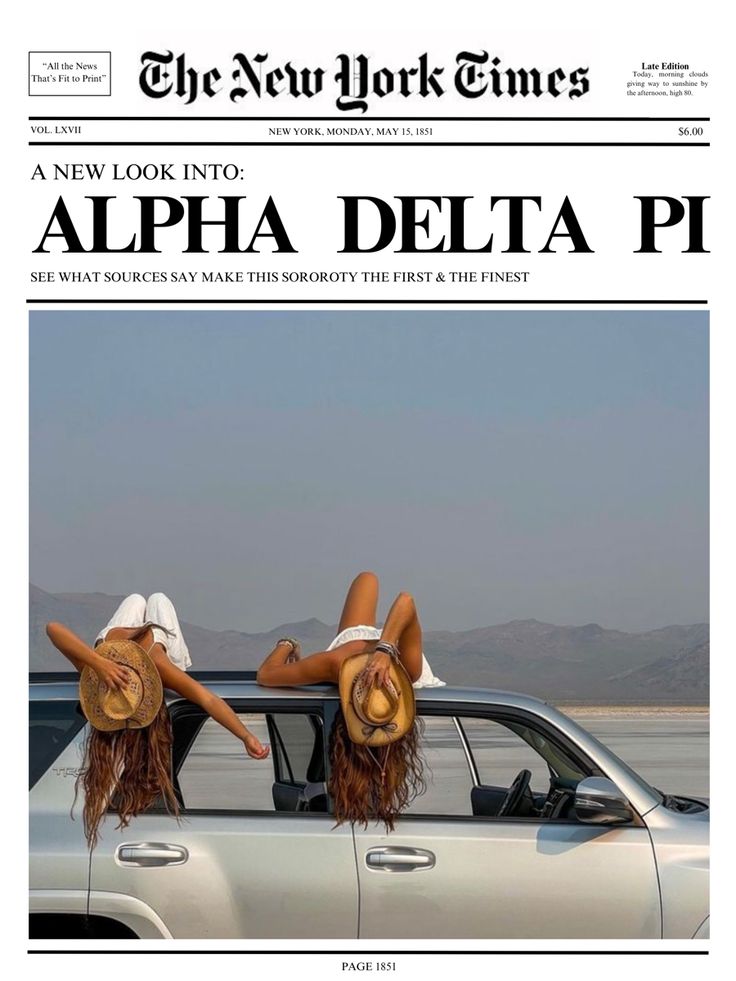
(361, 602)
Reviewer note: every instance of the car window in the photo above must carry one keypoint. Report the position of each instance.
(498, 754)
(217, 773)
(446, 771)
(292, 738)
(52, 726)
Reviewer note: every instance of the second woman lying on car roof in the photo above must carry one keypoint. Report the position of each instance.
(375, 765)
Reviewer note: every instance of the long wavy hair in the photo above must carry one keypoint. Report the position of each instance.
(127, 771)
(374, 784)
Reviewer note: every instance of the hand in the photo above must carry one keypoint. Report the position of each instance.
(255, 748)
(377, 668)
(294, 649)
(111, 674)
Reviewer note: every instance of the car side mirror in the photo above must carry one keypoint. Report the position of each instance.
(599, 801)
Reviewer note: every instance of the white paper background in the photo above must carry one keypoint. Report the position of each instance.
(607, 36)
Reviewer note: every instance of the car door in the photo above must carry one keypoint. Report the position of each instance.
(445, 872)
(248, 858)
(58, 853)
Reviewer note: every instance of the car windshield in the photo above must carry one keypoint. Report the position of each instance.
(586, 736)
(556, 759)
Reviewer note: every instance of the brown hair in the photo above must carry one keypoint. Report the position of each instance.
(374, 784)
(127, 771)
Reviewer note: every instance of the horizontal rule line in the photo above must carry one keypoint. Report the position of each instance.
(379, 119)
(384, 302)
(409, 953)
(275, 143)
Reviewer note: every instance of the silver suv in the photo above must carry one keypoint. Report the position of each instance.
(529, 828)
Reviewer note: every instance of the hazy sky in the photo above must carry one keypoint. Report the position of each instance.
(497, 465)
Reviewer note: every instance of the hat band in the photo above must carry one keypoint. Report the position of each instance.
(369, 730)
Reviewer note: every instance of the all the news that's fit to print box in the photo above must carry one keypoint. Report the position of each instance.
(69, 73)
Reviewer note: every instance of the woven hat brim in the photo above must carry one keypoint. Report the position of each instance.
(404, 718)
(132, 655)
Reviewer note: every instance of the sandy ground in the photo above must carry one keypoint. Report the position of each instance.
(634, 711)
(667, 746)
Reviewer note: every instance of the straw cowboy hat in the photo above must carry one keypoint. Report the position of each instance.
(136, 705)
(375, 715)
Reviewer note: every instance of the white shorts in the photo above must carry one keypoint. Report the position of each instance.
(364, 632)
(135, 611)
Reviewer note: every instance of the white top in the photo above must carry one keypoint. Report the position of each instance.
(365, 632)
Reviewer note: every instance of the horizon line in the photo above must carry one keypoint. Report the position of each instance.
(444, 630)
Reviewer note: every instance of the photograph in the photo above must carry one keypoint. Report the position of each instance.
(377, 624)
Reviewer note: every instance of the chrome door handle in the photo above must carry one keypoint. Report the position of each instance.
(397, 859)
(150, 854)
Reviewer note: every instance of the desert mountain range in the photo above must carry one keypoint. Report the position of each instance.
(560, 663)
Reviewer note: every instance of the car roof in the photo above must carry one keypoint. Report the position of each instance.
(65, 686)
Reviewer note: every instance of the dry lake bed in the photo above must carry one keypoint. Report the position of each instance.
(667, 746)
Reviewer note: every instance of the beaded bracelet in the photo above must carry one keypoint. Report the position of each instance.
(386, 648)
(289, 640)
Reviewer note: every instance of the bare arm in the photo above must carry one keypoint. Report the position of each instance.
(402, 630)
(83, 656)
(116, 675)
(275, 672)
(184, 685)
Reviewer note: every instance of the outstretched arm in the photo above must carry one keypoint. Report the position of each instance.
(116, 675)
(184, 685)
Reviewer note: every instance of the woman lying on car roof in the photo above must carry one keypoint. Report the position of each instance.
(127, 762)
(375, 765)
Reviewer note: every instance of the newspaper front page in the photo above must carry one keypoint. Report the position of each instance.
(348, 327)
